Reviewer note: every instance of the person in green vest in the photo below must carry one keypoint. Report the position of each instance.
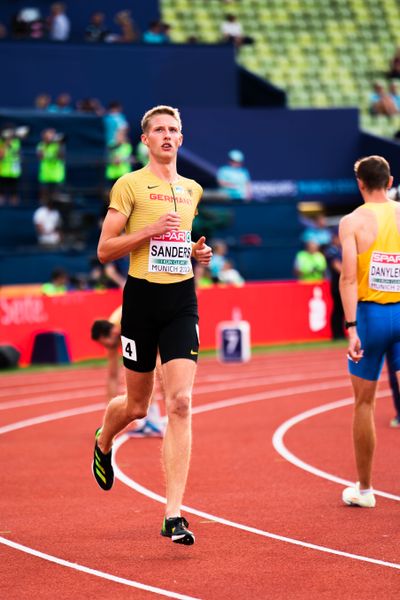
(51, 154)
(119, 161)
(142, 154)
(10, 166)
(310, 264)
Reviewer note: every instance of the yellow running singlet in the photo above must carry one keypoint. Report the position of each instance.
(378, 268)
(142, 197)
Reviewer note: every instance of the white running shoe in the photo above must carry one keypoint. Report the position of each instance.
(353, 497)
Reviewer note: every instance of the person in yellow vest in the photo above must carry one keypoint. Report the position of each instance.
(10, 166)
(107, 333)
(120, 157)
(370, 291)
(51, 154)
(156, 207)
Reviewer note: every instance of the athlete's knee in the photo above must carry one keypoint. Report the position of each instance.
(179, 405)
(135, 412)
(135, 409)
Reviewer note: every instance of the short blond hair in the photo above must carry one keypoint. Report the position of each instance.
(162, 109)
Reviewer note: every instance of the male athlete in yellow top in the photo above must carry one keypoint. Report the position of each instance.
(370, 291)
(107, 332)
(156, 207)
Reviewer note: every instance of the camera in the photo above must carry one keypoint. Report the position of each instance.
(58, 137)
(14, 132)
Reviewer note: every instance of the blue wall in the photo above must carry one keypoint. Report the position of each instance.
(278, 143)
(139, 76)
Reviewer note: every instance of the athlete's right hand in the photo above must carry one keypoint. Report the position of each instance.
(167, 222)
(354, 350)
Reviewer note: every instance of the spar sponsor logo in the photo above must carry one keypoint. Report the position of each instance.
(180, 237)
(386, 258)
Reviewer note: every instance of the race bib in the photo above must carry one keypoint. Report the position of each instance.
(170, 253)
(384, 272)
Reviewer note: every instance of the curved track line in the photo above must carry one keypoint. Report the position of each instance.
(146, 492)
(131, 583)
(277, 442)
(103, 575)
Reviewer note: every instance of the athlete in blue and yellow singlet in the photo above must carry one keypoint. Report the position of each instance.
(370, 291)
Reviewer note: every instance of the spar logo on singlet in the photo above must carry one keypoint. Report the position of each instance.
(384, 271)
(174, 236)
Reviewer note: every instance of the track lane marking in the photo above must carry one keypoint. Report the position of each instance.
(89, 571)
(142, 490)
(280, 447)
(267, 534)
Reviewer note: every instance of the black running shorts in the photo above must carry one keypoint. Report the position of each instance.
(158, 316)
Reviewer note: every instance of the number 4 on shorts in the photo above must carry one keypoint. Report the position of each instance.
(128, 348)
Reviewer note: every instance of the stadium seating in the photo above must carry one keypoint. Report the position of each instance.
(323, 53)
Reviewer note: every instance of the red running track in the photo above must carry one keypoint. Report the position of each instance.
(265, 528)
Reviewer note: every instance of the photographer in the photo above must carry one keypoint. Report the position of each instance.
(10, 163)
(51, 154)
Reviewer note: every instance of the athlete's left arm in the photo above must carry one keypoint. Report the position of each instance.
(348, 282)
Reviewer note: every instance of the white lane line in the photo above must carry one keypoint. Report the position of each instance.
(244, 382)
(279, 445)
(72, 412)
(89, 571)
(49, 399)
(146, 492)
(53, 386)
(131, 583)
(198, 410)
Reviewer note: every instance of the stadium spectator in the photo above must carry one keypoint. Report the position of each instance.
(58, 23)
(333, 255)
(62, 105)
(233, 178)
(114, 120)
(3, 31)
(218, 259)
(128, 30)
(90, 106)
(310, 264)
(58, 283)
(394, 94)
(229, 275)
(51, 154)
(381, 102)
(142, 154)
(10, 167)
(48, 224)
(96, 31)
(317, 231)
(202, 276)
(28, 24)
(120, 158)
(394, 67)
(155, 34)
(42, 101)
(10, 163)
(232, 32)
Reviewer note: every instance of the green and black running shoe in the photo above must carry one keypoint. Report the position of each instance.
(102, 468)
(176, 528)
